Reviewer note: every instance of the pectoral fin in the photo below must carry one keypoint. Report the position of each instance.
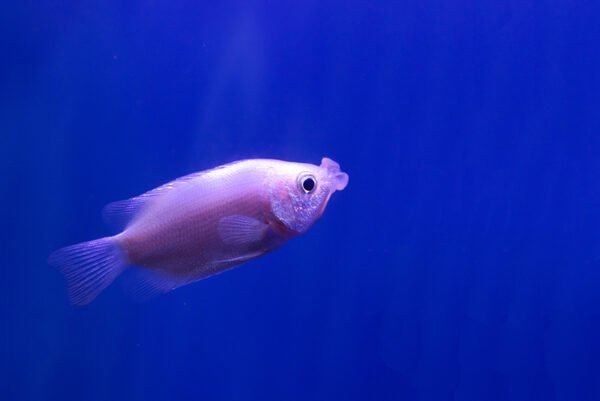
(241, 230)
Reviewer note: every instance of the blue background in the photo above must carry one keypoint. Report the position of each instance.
(462, 262)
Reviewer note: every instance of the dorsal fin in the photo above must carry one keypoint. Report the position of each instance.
(120, 213)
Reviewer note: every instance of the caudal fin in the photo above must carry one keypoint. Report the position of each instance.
(89, 267)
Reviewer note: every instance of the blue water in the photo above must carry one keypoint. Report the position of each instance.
(462, 262)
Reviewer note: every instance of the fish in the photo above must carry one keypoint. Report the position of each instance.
(200, 225)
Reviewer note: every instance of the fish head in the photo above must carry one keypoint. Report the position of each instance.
(299, 192)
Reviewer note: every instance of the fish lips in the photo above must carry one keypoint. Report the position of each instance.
(338, 179)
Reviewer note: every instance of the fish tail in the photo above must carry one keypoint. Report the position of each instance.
(89, 267)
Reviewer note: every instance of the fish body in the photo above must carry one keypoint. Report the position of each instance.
(202, 224)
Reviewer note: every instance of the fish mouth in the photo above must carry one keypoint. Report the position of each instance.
(338, 179)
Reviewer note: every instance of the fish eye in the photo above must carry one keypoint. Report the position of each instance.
(308, 183)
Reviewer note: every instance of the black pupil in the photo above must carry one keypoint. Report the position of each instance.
(308, 184)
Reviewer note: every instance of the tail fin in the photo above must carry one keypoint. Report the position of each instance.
(89, 267)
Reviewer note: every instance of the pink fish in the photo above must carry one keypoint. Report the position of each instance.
(201, 224)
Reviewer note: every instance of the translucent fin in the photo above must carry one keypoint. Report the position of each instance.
(143, 284)
(89, 267)
(119, 214)
(241, 230)
(238, 260)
